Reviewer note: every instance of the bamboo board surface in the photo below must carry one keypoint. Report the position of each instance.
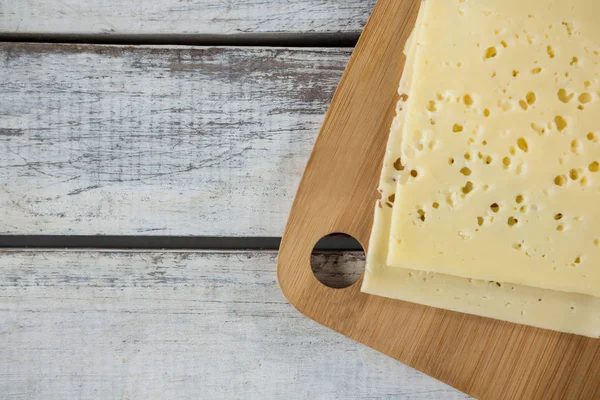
(485, 358)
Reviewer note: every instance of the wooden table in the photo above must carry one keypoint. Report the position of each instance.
(130, 126)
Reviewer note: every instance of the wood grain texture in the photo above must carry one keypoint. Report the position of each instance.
(118, 140)
(118, 17)
(486, 358)
(149, 325)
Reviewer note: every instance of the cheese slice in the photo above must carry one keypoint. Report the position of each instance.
(502, 145)
(560, 311)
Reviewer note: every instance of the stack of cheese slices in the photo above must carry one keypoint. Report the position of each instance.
(490, 190)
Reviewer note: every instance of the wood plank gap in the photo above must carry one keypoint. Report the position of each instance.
(300, 39)
(334, 243)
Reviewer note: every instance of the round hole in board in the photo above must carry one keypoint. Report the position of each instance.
(338, 261)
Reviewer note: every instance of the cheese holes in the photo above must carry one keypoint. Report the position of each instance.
(536, 71)
(495, 207)
(550, 51)
(468, 100)
(560, 180)
(530, 99)
(560, 122)
(468, 188)
(457, 128)
(398, 165)
(523, 145)
(539, 129)
(519, 199)
(523, 105)
(585, 98)
(505, 105)
(521, 169)
(576, 147)
(491, 52)
(465, 171)
(594, 166)
(512, 221)
(574, 174)
(569, 27)
(523, 209)
(450, 199)
(565, 97)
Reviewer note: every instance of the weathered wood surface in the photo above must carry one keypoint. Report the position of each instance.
(119, 140)
(150, 325)
(114, 17)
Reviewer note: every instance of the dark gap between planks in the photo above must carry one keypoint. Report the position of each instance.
(332, 243)
(341, 39)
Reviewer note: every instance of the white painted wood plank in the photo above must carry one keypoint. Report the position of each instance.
(114, 17)
(117, 140)
(150, 325)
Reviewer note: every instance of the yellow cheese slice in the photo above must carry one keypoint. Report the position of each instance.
(502, 145)
(560, 311)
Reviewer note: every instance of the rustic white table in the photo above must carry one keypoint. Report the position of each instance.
(129, 126)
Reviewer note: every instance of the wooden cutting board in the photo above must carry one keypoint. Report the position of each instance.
(485, 358)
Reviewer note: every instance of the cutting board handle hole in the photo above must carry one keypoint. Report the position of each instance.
(338, 261)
